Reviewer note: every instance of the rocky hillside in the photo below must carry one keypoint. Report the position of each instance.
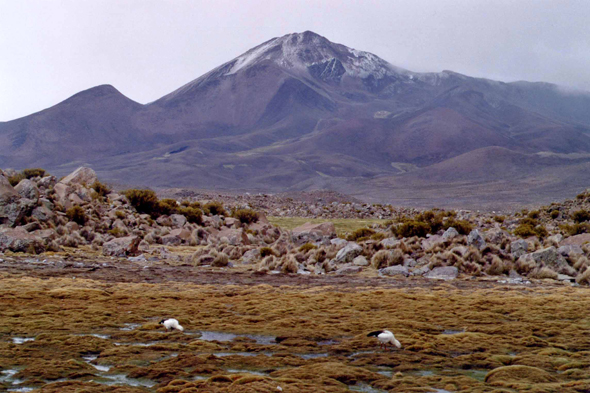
(300, 112)
(41, 215)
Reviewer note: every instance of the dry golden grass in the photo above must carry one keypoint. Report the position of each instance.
(451, 338)
(343, 225)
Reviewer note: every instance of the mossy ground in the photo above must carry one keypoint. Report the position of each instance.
(498, 339)
(342, 225)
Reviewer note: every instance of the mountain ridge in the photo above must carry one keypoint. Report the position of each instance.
(299, 112)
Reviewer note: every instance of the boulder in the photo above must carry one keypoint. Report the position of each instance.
(443, 273)
(551, 258)
(250, 257)
(234, 236)
(519, 247)
(165, 221)
(390, 242)
(348, 253)
(19, 240)
(496, 235)
(349, 270)
(397, 270)
(570, 250)
(577, 240)
(83, 175)
(42, 214)
(13, 207)
(431, 241)
(178, 220)
(176, 237)
(310, 233)
(339, 241)
(47, 182)
(450, 234)
(475, 238)
(28, 189)
(360, 261)
(122, 247)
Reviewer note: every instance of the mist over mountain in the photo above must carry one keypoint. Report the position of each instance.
(299, 112)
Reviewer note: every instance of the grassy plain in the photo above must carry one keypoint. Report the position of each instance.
(342, 225)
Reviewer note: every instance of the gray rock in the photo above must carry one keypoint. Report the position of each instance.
(360, 261)
(496, 235)
(551, 258)
(555, 238)
(565, 277)
(28, 189)
(165, 221)
(395, 271)
(234, 236)
(47, 182)
(311, 233)
(84, 176)
(420, 271)
(13, 207)
(476, 239)
(19, 240)
(410, 262)
(449, 234)
(518, 248)
(349, 270)
(431, 242)
(348, 253)
(250, 257)
(570, 250)
(42, 214)
(339, 241)
(578, 240)
(390, 242)
(460, 250)
(121, 247)
(443, 273)
(139, 258)
(178, 220)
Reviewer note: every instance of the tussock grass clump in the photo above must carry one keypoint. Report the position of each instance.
(361, 233)
(117, 232)
(144, 201)
(544, 272)
(214, 208)
(307, 247)
(575, 229)
(77, 214)
(246, 216)
(499, 267)
(221, 260)
(289, 265)
(584, 277)
(386, 258)
(266, 251)
(581, 216)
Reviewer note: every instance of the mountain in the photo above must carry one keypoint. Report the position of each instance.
(299, 112)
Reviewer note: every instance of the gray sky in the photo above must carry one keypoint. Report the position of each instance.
(50, 49)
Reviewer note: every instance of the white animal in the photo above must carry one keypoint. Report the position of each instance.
(385, 337)
(170, 324)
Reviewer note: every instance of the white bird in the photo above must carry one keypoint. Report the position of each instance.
(170, 324)
(385, 337)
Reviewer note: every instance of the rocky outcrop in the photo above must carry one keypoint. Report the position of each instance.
(13, 207)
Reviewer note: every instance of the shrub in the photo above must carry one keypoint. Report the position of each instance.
(266, 251)
(581, 216)
(378, 236)
(246, 216)
(76, 214)
(307, 246)
(534, 214)
(33, 172)
(120, 214)
(117, 232)
(529, 221)
(527, 230)
(499, 219)
(214, 208)
(15, 179)
(413, 228)
(144, 201)
(554, 214)
(360, 233)
(462, 226)
(101, 189)
(193, 215)
(167, 206)
(575, 229)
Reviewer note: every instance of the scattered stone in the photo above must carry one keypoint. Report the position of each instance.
(443, 273)
(450, 234)
(390, 242)
(360, 261)
(395, 271)
(310, 233)
(339, 242)
(348, 253)
(518, 248)
(349, 270)
(121, 247)
(476, 239)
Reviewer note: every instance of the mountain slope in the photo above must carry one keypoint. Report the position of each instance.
(300, 112)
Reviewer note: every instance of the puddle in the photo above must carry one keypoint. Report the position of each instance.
(238, 371)
(103, 336)
(7, 375)
(360, 353)
(221, 336)
(222, 354)
(20, 389)
(121, 379)
(327, 342)
(141, 344)
(311, 355)
(130, 326)
(21, 340)
(451, 331)
(362, 387)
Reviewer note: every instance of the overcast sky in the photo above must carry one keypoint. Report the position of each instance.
(50, 49)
